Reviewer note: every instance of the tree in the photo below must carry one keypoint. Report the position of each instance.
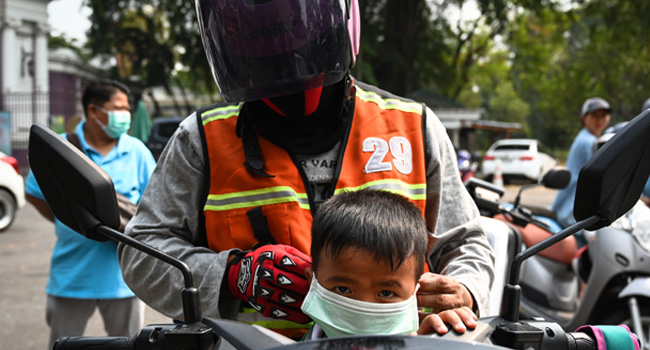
(561, 58)
(62, 41)
(153, 43)
(410, 45)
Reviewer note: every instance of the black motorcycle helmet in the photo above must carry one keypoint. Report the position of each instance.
(260, 49)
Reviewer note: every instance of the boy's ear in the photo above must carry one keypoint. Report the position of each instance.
(309, 273)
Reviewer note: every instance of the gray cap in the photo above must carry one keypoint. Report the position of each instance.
(646, 105)
(594, 104)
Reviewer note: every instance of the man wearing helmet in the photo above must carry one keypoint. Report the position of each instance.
(595, 117)
(236, 187)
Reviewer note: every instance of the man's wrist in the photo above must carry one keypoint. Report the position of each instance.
(469, 300)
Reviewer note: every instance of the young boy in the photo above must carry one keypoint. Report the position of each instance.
(368, 253)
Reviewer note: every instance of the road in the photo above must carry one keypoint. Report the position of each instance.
(25, 251)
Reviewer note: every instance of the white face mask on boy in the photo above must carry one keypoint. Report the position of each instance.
(340, 316)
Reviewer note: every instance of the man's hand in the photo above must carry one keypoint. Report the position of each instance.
(460, 319)
(272, 280)
(441, 293)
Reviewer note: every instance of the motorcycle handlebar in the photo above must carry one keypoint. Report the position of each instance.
(152, 337)
(580, 341)
(574, 341)
(94, 343)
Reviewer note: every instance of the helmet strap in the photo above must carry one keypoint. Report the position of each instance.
(296, 105)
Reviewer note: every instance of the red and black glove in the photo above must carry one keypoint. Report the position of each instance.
(272, 280)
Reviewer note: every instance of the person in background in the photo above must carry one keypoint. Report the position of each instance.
(595, 117)
(241, 178)
(85, 274)
(368, 253)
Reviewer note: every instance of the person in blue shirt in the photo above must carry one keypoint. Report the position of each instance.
(595, 117)
(85, 274)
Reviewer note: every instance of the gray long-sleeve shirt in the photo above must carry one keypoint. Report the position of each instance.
(169, 213)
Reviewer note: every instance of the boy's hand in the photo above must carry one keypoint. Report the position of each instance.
(460, 319)
(440, 293)
(272, 280)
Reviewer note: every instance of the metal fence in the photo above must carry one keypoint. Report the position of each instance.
(27, 108)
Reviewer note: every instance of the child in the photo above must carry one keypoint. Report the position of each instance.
(368, 252)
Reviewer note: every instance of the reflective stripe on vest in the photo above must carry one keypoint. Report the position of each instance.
(256, 198)
(220, 113)
(413, 192)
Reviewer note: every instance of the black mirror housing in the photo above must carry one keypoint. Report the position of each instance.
(603, 189)
(556, 178)
(80, 194)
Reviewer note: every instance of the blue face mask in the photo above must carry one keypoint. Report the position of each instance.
(339, 316)
(119, 122)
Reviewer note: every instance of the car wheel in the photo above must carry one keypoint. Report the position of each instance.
(7, 209)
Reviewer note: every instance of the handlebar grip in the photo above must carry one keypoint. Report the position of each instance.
(94, 343)
(580, 341)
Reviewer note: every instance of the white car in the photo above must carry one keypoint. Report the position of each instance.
(12, 190)
(518, 158)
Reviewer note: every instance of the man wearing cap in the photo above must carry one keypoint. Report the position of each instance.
(595, 117)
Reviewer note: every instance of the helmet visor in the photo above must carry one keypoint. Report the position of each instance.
(267, 48)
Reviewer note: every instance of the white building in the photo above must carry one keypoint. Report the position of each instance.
(35, 84)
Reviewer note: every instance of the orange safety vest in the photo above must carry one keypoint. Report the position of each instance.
(383, 150)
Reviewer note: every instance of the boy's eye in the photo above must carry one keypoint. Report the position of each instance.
(342, 290)
(386, 294)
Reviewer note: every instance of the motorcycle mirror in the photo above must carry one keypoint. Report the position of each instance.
(82, 196)
(556, 178)
(611, 182)
(59, 167)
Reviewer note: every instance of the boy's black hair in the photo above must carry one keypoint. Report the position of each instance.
(381, 222)
(100, 92)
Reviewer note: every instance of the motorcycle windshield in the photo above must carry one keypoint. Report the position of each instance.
(387, 343)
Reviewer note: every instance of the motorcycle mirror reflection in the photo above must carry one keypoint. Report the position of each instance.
(556, 178)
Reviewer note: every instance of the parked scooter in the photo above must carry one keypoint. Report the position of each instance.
(82, 197)
(615, 268)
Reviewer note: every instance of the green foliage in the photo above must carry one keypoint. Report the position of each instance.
(155, 43)
(562, 58)
(62, 41)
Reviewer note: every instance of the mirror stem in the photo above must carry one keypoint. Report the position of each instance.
(521, 189)
(190, 295)
(512, 291)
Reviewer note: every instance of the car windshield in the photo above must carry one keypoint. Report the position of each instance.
(512, 148)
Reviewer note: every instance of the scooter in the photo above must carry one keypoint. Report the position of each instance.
(615, 268)
(82, 197)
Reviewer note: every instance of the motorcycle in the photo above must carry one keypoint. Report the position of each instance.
(82, 196)
(467, 164)
(615, 266)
